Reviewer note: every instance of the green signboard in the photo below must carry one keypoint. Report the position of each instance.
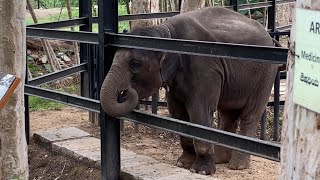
(306, 87)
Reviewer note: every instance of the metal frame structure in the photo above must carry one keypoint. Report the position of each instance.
(96, 53)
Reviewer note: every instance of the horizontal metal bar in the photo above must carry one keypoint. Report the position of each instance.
(272, 103)
(245, 144)
(255, 5)
(65, 98)
(57, 75)
(282, 33)
(160, 103)
(131, 17)
(203, 48)
(283, 75)
(164, 104)
(83, 37)
(284, 28)
(285, 1)
(139, 16)
(61, 24)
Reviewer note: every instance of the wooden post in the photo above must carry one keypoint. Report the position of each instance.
(300, 153)
(13, 144)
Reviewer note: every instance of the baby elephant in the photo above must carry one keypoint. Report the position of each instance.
(197, 86)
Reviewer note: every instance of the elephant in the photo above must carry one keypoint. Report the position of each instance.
(197, 86)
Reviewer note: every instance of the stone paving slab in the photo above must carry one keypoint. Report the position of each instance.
(53, 135)
(82, 146)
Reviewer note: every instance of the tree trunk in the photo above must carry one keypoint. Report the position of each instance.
(75, 44)
(300, 133)
(190, 5)
(144, 6)
(13, 145)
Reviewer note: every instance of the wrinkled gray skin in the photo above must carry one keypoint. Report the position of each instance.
(197, 86)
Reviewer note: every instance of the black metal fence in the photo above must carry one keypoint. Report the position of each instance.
(96, 54)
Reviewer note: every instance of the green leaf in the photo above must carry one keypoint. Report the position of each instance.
(48, 67)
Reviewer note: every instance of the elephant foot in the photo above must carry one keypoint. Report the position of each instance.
(204, 165)
(222, 155)
(186, 159)
(239, 161)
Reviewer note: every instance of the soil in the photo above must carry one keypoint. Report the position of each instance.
(159, 145)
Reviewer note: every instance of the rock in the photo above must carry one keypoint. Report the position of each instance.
(43, 59)
(60, 54)
(65, 58)
(34, 56)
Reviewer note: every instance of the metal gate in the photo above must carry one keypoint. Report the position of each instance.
(96, 54)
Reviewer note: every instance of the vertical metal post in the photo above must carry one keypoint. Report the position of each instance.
(263, 125)
(86, 55)
(136, 125)
(272, 16)
(109, 127)
(27, 110)
(219, 120)
(276, 107)
(235, 4)
(272, 27)
(154, 103)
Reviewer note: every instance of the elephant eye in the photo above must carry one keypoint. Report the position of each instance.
(134, 64)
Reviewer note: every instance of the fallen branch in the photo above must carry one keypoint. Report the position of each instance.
(36, 44)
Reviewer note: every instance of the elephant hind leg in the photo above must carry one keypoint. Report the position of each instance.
(240, 160)
(188, 155)
(230, 123)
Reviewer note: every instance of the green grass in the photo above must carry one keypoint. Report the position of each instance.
(36, 104)
(75, 14)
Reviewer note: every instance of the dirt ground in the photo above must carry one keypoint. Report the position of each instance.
(160, 145)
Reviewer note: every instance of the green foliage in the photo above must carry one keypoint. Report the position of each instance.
(47, 4)
(34, 69)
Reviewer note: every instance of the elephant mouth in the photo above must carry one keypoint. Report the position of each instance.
(122, 96)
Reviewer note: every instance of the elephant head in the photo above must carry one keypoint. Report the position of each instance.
(136, 74)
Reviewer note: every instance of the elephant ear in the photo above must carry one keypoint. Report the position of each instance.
(169, 63)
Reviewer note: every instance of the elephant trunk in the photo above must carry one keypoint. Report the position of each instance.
(118, 81)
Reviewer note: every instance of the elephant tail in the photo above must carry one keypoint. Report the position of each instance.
(277, 44)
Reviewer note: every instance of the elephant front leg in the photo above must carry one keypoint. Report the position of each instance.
(178, 111)
(204, 162)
